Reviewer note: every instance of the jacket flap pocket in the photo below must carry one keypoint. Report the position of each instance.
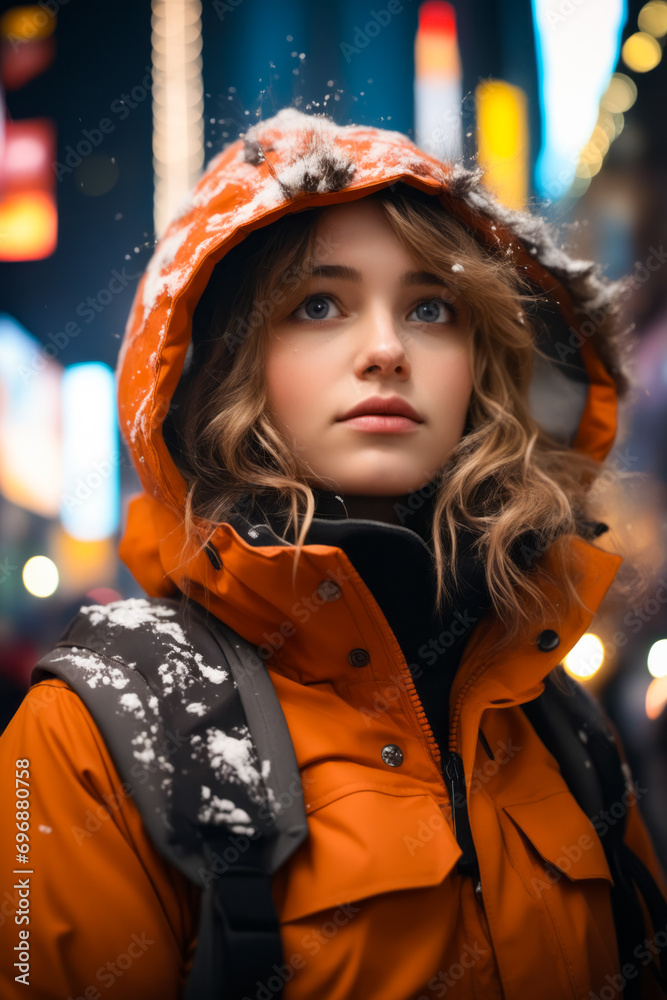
(562, 834)
(363, 844)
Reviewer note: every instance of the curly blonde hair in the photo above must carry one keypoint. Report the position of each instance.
(506, 477)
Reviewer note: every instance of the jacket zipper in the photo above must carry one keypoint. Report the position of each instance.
(456, 786)
(419, 711)
(454, 774)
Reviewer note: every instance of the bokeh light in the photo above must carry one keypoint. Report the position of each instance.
(657, 658)
(653, 18)
(586, 657)
(620, 95)
(641, 52)
(656, 697)
(40, 576)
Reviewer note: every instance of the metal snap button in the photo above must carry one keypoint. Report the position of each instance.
(329, 590)
(548, 640)
(392, 755)
(359, 657)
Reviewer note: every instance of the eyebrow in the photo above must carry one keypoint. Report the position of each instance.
(351, 274)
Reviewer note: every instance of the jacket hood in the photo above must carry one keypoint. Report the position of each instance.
(294, 161)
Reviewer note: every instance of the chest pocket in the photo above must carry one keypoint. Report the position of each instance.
(551, 837)
(362, 844)
(558, 856)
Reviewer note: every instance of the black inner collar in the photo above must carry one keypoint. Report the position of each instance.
(397, 565)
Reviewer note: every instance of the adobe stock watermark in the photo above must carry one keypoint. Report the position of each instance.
(390, 693)
(85, 486)
(7, 569)
(33, 18)
(461, 623)
(239, 843)
(312, 942)
(92, 138)
(573, 853)
(563, 11)
(447, 978)
(326, 591)
(222, 7)
(596, 318)
(558, 187)
(264, 309)
(454, 119)
(417, 498)
(87, 310)
(363, 35)
(644, 952)
(426, 830)
(619, 464)
(638, 616)
(116, 968)
(94, 819)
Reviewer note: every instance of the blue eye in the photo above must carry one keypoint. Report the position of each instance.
(432, 311)
(317, 307)
(313, 306)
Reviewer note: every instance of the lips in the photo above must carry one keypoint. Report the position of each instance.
(392, 406)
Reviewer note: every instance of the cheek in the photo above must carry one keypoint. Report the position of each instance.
(291, 383)
(276, 372)
(450, 383)
(279, 378)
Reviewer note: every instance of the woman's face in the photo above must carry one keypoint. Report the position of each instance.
(387, 330)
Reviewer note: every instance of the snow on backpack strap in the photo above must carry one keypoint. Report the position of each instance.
(192, 721)
(170, 695)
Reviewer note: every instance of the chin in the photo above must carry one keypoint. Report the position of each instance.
(374, 472)
(382, 484)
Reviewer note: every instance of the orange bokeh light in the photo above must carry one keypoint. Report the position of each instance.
(28, 226)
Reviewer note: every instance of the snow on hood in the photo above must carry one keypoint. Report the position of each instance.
(294, 161)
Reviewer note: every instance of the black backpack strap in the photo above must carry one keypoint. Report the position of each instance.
(192, 721)
(574, 729)
(238, 905)
(239, 941)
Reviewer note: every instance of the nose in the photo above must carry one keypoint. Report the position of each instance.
(381, 350)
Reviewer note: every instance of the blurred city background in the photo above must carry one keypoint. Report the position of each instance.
(109, 112)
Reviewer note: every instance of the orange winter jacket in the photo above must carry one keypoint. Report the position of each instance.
(371, 905)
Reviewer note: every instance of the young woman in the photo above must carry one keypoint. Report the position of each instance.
(369, 408)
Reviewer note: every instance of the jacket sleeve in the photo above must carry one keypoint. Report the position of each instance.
(105, 914)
